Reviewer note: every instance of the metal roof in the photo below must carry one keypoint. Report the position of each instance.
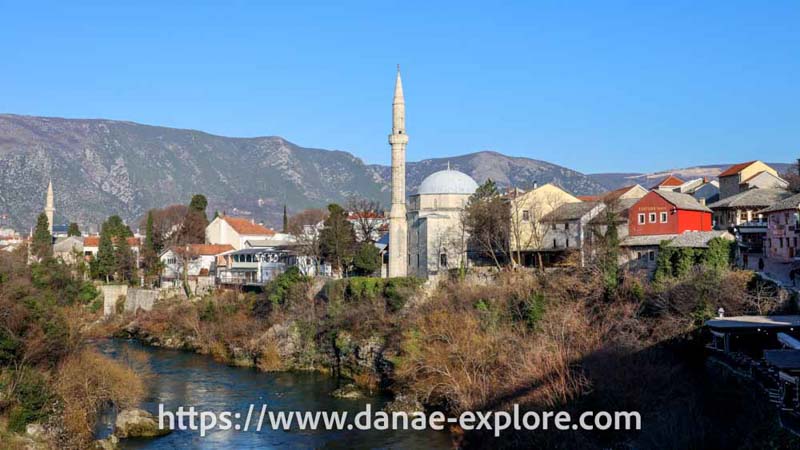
(447, 182)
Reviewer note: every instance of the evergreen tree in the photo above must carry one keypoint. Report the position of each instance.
(106, 262)
(42, 242)
(193, 229)
(115, 227)
(285, 220)
(337, 239)
(124, 259)
(150, 249)
(73, 230)
(367, 259)
(198, 203)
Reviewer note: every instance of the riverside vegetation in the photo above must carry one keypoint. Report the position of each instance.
(556, 340)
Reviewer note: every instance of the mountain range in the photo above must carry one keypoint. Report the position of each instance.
(102, 167)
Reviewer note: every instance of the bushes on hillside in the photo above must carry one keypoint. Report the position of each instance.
(394, 291)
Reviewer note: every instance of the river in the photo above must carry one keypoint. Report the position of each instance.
(183, 378)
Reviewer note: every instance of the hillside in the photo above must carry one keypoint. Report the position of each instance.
(103, 167)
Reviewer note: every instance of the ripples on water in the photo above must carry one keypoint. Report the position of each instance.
(187, 379)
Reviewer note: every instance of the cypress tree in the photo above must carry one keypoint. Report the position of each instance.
(285, 220)
(42, 242)
(73, 230)
(106, 258)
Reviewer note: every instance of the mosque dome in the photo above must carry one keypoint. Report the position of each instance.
(447, 182)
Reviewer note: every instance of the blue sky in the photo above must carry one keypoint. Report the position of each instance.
(594, 86)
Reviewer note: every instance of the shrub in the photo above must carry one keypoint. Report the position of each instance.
(33, 400)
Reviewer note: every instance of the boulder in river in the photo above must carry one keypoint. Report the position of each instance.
(349, 391)
(109, 443)
(138, 423)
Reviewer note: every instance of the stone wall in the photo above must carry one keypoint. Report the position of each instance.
(112, 292)
(140, 299)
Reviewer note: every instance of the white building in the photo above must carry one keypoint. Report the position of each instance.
(436, 239)
(236, 231)
(197, 259)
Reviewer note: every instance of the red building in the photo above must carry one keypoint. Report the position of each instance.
(667, 212)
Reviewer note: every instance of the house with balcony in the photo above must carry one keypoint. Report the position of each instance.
(783, 230)
(196, 259)
(253, 267)
(741, 215)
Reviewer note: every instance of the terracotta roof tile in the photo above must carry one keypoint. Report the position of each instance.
(209, 249)
(246, 226)
(669, 180)
(736, 168)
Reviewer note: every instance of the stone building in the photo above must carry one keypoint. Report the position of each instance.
(436, 238)
(748, 175)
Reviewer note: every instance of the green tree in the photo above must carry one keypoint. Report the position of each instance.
(337, 239)
(193, 229)
(150, 250)
(367, 259)
(285, 220)
(684, 260)
(42, 242)
(73, 229)
(104, 265)
(719, 254)
(664, 268)
(115, 227)
(125, 260)
(198, 203)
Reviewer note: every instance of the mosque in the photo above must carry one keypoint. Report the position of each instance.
(426, 237)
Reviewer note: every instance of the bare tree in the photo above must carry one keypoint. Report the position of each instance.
(305, 226)
(367, 216)
(485, 220)
(530, 220)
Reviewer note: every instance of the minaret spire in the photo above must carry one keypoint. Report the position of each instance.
(49, 208)
(398, 227)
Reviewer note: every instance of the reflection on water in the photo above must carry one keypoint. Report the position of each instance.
(187, 379)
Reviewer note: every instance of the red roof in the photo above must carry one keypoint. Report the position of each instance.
(590, 198)
(209, 249)
(364, 215)
(246, 226)
(670, 180)
(735, 169)
(94, 241)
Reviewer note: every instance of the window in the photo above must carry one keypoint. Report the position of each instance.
(652, 217)
(652, 255)
(663, 217)
(443, 260)
(526, 215)
(641, 219)
(639, 255)
(554, 243)
(567, 245)
(554, 226)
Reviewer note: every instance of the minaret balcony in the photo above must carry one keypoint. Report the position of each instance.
(398, 139)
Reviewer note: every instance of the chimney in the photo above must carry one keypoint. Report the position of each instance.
(535, 185)
(702, 201)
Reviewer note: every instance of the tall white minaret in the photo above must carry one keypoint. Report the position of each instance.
(49, 208)
(398, 228)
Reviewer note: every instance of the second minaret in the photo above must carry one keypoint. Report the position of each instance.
(398, 229)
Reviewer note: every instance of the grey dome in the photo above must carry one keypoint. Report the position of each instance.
(447, 182)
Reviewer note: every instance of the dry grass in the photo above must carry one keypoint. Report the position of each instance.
(87, 382)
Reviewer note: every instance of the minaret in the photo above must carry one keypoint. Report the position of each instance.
(398, 228)
(49, 208)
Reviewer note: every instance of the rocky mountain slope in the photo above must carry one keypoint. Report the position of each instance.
(103, 167)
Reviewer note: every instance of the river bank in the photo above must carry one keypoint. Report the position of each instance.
(179, 378)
